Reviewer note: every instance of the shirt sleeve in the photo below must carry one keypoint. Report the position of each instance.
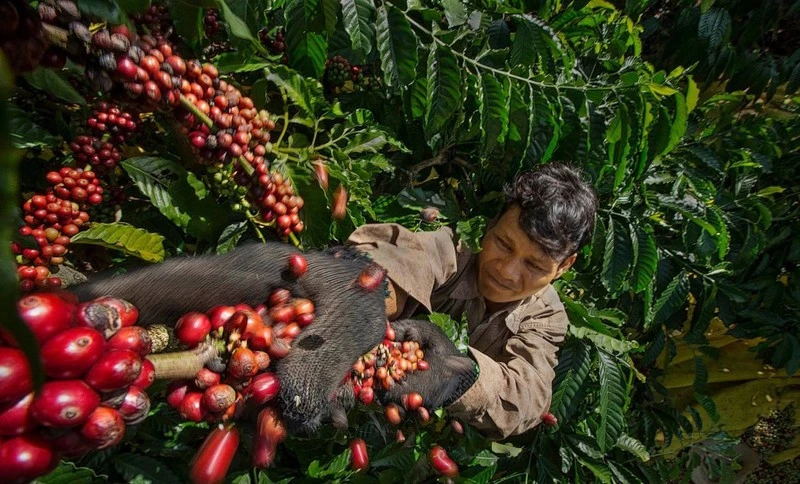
(511, 394)
(417, 263)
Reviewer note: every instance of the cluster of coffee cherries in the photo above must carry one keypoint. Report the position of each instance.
(276, 44)
(59, 213)
(248, 339)
(385, 366)
(156, 21)
(240, 132)
(274, 196)
(51, 221)
(109, 118)
(90, 149)
(222, 124)
(211, 23)
(338, 71)
(364, 80)
(21, 38)
(93, 356)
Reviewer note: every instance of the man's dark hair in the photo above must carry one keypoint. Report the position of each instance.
(558, 207)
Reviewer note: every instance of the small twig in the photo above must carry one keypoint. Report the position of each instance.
(295, 240)
(187, 105)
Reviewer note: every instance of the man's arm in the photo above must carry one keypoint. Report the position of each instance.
(395, 302)
(511, 395)
(417, 263)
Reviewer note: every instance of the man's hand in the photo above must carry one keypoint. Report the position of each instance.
(450, 374)
(349, 320)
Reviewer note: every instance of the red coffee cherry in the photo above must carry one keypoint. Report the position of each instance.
(359, 458)
(442, 463)
(71, 353)
(104, 428)
(64, 403)
(192, 328)
(16, 418)
(26, 457)
(297, 265)
(263, 388)
(134, 338)
(147, 376)
(116, 369)
(135, 406)
(46, 314)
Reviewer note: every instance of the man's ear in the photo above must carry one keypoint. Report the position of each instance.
(565, 265)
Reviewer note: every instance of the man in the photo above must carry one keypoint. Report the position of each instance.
(515, 319)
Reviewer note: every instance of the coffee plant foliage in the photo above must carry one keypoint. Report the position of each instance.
(698, 193)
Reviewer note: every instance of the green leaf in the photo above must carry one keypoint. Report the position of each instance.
(125, 238)
(358, 21)
(708, 405)
(188, 20)
(617, 257)
(613, 316)
(679, 123)
(176, 193)
(370, 141)
(672, 299)
(484, 476)
(306, 48)
(533, 41)
(53, 83)
(236, 26)
(455, 12)
(418, 97)
(573, 368)
(599, 470)
(446, 323)
(471, 231)
(523, 48)
(25, 133)
(700, 375)
(402, 459)
(506, 449)
(604, 341)
(230, 236)
(144, 469)
(646, 260)
(397, 46)
(494, 111)
(708, 157)
(630, 444)
(715, 27)
(692, 94)
(661, 89)
(499, 34)
(306, 94)
(612, 401)
(69, 473)
(104, 10)
(236, 61)
(444, 89)
(765, 192)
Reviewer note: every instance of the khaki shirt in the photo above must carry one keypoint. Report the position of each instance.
(515, 347)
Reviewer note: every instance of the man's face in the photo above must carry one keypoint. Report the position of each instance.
(511, 266)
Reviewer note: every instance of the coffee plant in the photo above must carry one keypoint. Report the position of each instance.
(140, 130)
